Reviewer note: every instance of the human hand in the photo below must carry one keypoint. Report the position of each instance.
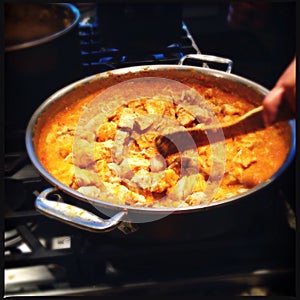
(284, 92)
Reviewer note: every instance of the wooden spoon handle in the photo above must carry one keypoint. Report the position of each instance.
(250, 121)
(251, 113)
(255, 114)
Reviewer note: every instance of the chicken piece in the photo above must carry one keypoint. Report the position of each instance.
(136, 188)
(157, 163)
(249, 141)
(230, 179)
(143, 123)
(93, 124)
(106, 131)
(203, 116)
(115, 115)
(126, 196)
(109, 193)
(123, 170)
(161, 181)
(244, 157)
(156, 182)
(171, 177)
(126, 118)
(83, 154)
(142, 179)
(156, 106)
(135, 104)
(145, 153)
(208, 93)
(90, 191)
(138, 163)
(103, 150)
(230, 110)
(114, 168)
(236, 171)
(184, 117)
(138, 106)
(64, 144)
(106, 172)
(200, 183)
(224, 193)
(146, 140)
(55, 131)
(196, 199)
(184, 187)
(122, 140)
(136, 199)
(51, 138)
(178, 192)
(66, 130)
(85, 177)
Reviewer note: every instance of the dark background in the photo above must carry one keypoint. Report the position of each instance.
(261, 45)
(259, 36)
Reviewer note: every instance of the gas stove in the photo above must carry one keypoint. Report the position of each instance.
(44, 257)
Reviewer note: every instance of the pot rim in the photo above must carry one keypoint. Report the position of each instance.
(76, 14)
(29, 137)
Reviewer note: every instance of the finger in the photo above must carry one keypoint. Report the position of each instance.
(271, 105)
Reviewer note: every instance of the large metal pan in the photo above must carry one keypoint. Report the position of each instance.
(182, 223)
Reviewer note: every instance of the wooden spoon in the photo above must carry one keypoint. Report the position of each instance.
(249, 122)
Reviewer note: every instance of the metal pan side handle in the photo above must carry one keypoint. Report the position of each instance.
(73, 215)
(208, 58)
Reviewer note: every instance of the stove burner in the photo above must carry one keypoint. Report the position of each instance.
(14, 161)
(20, 183)
(13, 238)
(98, 57)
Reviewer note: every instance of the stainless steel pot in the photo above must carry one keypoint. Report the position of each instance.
(181, 223)
(42, 54)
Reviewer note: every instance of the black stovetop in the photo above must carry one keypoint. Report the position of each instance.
(258, 257)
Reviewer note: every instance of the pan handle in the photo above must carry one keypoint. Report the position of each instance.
(208, 58)
(73, 215)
